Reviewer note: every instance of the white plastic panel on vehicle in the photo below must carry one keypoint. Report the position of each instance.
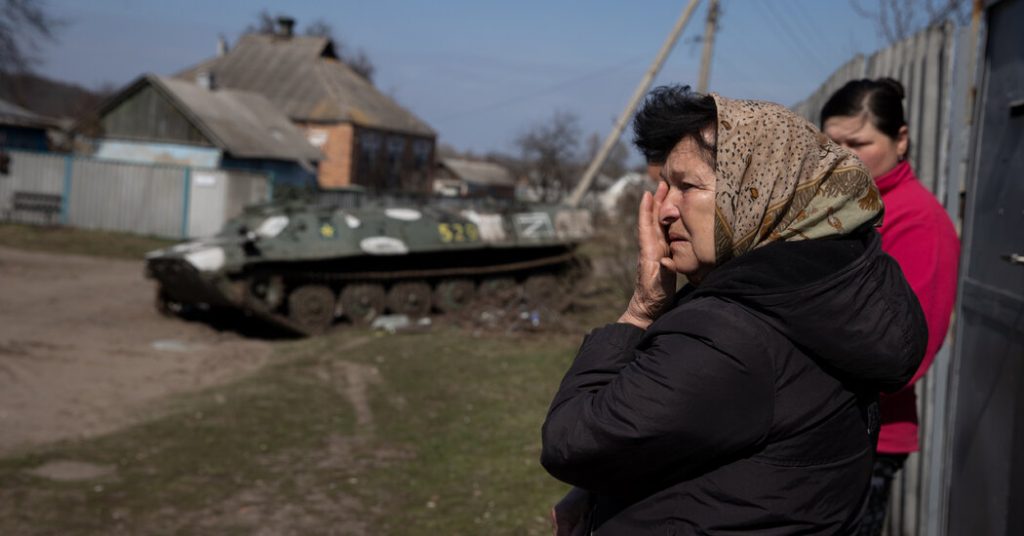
(489, 225)
(272, 226)
(534, 225)
(206, 260)
(403, 214)
(383, 245)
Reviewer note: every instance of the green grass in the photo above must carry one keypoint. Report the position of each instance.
(78, 241)
(453, 447)
(473, 415)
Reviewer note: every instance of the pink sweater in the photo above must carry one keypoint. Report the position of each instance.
(917, 233)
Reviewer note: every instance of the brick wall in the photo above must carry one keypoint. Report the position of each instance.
(335, 142)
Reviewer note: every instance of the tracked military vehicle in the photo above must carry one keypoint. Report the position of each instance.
(303, 267)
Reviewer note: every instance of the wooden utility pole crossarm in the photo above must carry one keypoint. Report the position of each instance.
(620, 125)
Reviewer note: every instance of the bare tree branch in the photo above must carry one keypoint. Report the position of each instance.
(320, 28)
(616, 164)
(899, 19)
(955, 10)
(549, 151)
(23, 24)
(359, 61)
(264, 24)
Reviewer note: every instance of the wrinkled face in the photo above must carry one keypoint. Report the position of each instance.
(688, 214)
(879, 152)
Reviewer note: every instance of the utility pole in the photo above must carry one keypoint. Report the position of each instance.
(620, 125)
(709, 44)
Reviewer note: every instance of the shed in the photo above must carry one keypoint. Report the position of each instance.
(165, 120)
(459, 177)
(22, 129)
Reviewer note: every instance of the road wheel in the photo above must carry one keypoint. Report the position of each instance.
(545, 290)
(362, 302)
(499, 291)
(311, 307)
(453, 295)
(166, 306)
(410, 298)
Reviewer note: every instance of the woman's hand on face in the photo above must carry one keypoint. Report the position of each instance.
(655, 273)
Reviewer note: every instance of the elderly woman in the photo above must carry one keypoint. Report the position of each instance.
(747, 401)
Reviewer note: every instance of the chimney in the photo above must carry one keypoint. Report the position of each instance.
(205, 80)
(222, 46)
(285, 25)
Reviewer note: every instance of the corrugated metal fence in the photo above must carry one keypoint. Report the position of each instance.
(935, 68)
(156, 200)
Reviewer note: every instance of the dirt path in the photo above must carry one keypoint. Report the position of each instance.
(83, 351)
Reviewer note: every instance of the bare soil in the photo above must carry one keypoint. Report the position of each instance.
(83, 350)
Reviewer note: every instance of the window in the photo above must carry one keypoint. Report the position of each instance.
(421, 154)
(395, 151)
(369, 148)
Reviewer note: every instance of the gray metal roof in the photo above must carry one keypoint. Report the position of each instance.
(308, 82)
(479, 172)
(244, 124)
(12, 114)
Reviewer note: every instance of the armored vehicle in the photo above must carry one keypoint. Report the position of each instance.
(303, 267)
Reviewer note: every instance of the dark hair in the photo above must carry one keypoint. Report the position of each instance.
(881, 99)
(670, 114)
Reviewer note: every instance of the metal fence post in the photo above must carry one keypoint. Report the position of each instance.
(186, 191)
(270, 193)
(65, 198)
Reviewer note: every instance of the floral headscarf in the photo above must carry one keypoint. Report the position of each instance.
(779, 178)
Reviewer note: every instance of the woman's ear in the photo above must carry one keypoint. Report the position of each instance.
(902, 142)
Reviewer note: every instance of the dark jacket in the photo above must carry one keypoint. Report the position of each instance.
(749, 407)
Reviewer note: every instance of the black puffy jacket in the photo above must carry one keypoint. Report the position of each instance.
(748, 408)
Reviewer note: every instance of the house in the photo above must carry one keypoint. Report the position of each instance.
(366, 138)
(164, 120)
(22, 129)
(626, 189)
(457, 177)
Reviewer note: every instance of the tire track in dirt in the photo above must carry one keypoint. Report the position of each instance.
(77, 352)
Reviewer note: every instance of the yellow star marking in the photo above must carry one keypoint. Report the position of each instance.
(327, 230)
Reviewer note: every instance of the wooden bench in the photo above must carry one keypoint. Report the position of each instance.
(48, 204)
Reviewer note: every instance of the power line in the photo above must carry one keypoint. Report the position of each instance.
(750, 73)
(791, 35)
(540, 92)
(807, 25)
(828, 42)
(737, 70)
(800, 37)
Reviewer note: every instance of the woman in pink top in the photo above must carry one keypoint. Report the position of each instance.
(866, 117)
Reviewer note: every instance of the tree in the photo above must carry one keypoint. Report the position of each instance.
(899, 19)
(264, 24)
(357, 60)
(23, 24)
(360, 63)
(549, 151)
(615, 165)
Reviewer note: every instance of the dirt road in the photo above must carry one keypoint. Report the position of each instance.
(83, 351)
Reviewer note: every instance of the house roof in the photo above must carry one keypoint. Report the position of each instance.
(244, 124)
(304, 77)
(12, 114)
(479, 172)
